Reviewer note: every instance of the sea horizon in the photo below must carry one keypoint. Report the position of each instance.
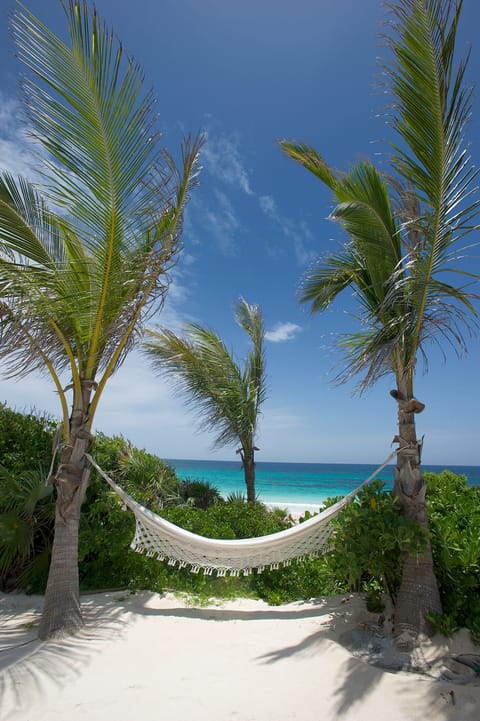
(298, 484)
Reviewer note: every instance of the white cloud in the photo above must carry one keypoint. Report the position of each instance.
(297, 232)
(221, 223)
(267, 204)
(17, 153)
(221, 157)
(282, 332)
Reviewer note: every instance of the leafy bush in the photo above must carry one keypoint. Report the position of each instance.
(370, 539)
(309, 578)
(370, 534)
(229, 520)
(27, 515)
(25, 439)
(26, 504)
(144, 476)
(105, 557)
(200, 494)
(454, 518)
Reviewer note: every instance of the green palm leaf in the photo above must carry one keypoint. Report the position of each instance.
(404, 228)
(226, 398)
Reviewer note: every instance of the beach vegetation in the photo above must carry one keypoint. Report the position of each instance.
(85, 258)
(25, 438)
(27, 514)
(403, 259)
(454, 516)
(370, 534)
(371, 538)
(27, 509)
(227, 396)
(201, 494)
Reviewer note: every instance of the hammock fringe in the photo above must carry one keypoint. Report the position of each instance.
(157, 537)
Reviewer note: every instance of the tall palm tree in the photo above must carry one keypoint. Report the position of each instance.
(78, 279)
(403, 255)
(228, 398)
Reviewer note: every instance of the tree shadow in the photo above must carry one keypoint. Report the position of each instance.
(30, 668)
(312, 609)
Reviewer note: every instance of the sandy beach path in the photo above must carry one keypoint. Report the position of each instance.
(147, 657)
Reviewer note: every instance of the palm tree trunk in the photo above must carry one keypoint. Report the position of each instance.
(248, 460)
(61, 611)
(418, 591)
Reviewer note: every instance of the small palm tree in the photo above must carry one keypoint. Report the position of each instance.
(228, 398)
(77, 282)
(403, 253)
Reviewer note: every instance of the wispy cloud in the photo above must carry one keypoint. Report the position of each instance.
(267, 204)
(298, 233)
(220, 222)
(221, 157)
(17, 154)
(282, 332)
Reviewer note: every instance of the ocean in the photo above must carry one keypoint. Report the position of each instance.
(306, 484)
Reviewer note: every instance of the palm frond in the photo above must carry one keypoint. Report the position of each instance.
(432, 107)
(86, 107)
(308, 157)
(76, 289)
(226, 398)
(404, 228)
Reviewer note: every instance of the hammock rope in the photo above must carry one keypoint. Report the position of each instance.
(155, 536)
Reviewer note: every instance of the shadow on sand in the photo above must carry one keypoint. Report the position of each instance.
(30, 669)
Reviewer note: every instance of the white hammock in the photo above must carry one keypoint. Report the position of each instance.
(156, 536)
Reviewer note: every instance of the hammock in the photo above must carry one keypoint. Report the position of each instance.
(156, 536)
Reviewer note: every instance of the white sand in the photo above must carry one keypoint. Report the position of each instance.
(154, 658)
(295, 509)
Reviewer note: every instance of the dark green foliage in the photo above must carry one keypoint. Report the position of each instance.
(301, 580)
(370, 537)
(369, 533)
(25, 439)
(106, 530)
(146, 477)
(27, 515)
(26, 503)
(454, 517)
(200, 494)
(236, 519)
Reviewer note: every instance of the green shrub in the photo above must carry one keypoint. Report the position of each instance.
(228, 520)
(454, 518)
(301, 580)
(144, 476)
(27, 513)
(25, 439)
(27, 505)
(369, 534)
(370, 538)
(106, 530)
(200, 494)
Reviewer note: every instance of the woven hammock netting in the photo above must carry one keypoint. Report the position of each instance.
(157, 537)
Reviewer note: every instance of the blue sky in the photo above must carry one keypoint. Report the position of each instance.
(249, 73)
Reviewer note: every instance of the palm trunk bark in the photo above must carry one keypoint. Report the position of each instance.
(418, 593)
(61, 612)
(248, 462)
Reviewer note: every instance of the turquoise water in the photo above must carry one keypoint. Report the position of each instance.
(292, 483)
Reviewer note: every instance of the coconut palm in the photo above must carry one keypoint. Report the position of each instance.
(228, 398)
(402, 259)
(78, 278)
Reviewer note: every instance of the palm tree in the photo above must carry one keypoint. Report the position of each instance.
(228, 398)
(402, 258)
(78, 279)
